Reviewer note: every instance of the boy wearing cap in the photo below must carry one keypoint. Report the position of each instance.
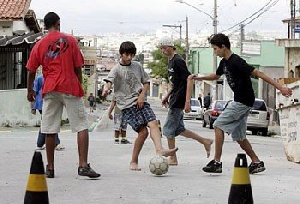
(175, 98)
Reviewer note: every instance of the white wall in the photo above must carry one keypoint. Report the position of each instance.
(15, 109)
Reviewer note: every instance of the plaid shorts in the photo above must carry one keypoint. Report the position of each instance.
(138, 117)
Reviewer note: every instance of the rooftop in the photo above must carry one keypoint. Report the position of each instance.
(13, 9)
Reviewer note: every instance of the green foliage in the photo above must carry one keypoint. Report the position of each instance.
(85, 81)
(160, 64)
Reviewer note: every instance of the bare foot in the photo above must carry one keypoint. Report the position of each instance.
(167, 152)
(173, 161)
(134, 167)
(207, 146)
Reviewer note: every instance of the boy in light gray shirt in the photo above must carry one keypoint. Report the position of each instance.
(131, 83)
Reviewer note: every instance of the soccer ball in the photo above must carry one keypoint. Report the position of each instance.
(158, 165)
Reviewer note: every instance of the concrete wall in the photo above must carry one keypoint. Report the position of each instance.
(15, 109)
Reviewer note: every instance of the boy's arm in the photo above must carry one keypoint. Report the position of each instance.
(141, 98)
(189, 89)
(110, 109)
(165, 100)
(106, 88)
(30, 91)
(285, 91)
(209, 77)
(78, 73)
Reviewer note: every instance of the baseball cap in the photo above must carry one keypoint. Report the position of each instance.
(166, 41)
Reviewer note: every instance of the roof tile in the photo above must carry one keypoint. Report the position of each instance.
(13, 9)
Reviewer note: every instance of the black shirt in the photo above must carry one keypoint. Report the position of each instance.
(178, 74)
(238, 73)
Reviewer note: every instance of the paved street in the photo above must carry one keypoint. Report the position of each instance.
(185, 183)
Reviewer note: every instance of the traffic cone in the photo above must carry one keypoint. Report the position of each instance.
(36, 191)
(159, 126)
(241, 190)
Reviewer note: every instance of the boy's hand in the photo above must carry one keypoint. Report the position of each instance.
(110, 116)
(164, 102)
(187, 107)
(192, 76)
(105, 92)
(33, 111)
(30, 95)
(140, 101)
(285, 91)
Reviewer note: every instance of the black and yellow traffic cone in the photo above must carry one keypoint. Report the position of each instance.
(36, 191)
(159, 126)
(241, 190)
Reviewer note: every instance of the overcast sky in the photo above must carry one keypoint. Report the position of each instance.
(140, 16)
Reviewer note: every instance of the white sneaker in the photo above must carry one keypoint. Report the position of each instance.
(59, 147)
(41, 148)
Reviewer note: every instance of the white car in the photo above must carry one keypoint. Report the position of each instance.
(196, 110)
(258, 118)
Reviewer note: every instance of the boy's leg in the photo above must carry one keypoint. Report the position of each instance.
(205, 141)
(117, 134)
(246, 146)
(155, 136)
(219, 140)
(50, 146)
(41, 139)
(138, 145)
(173, 159)
(57, 140)
(83, 146)
(124, 138)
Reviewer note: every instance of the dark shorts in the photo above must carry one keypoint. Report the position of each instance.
(137, 118)
(91, 103)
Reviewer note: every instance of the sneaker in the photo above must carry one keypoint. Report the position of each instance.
(41, 148)
(125, 142)
(88, 171)
(117, 141)
(49, 172)
(256, 167)
(59, 147)
(213, 167)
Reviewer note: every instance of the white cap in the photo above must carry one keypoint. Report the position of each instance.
(166, 41)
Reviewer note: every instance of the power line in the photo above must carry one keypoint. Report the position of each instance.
(258, 13)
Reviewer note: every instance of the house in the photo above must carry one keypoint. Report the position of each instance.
(19, 31)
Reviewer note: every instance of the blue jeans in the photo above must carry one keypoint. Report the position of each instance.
(41, 139)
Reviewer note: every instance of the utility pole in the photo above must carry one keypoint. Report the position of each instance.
(215, 25)
(293, 15)
(242, 37)
(187, 47)
(176, 26)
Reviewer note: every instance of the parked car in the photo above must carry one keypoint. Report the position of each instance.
(196, 110)
(212, 113)
(258, 118)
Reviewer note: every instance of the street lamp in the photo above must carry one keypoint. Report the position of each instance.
(215, 25)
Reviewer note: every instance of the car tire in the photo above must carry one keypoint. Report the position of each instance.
(204, 123)
(211, 124)
(264, 131)
(254, 132)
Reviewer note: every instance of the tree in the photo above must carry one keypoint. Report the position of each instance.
(160, 64)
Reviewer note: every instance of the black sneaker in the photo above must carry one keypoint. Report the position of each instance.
(256, 167)
(213, 167)
(117, 141)
(49, 172)
(88, 171)
(125, 142)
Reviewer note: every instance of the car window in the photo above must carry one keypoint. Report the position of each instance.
(195, 103)
(220, 105)
(259, 105)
